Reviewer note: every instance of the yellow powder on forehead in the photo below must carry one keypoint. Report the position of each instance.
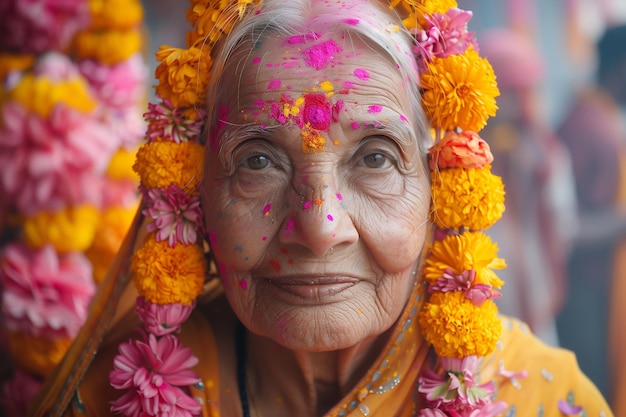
(312, 140)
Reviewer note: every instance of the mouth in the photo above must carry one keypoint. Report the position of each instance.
(314, 287)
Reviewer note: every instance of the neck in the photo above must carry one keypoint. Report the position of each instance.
(283, 381)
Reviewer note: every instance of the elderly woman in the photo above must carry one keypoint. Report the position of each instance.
(346, 286)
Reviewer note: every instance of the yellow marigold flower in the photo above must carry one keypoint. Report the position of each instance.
(13, 62)
(160, 164)
(40, 94)
(37, 354)
(70, 229)
(113, 226)
(213, 18)
(183, 75)
(455, 327)
(121, 165)
(165, 274)
(413, 11)
(466, 197)
(115, 14)
(107, 46)
(464, 252)
(460, 91)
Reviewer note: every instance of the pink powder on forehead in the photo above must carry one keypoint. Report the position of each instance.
(320, 55)
(348, 84)
(375, 109)
(274, 84)
(362, 74)
(351, 22)
(300, 39)
(256, 60)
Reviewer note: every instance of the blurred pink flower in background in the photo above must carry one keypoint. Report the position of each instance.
(45, 293)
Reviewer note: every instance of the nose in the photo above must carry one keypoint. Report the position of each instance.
(320, 220)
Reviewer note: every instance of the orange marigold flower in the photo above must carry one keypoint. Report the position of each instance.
(472, 198)
(457, 328)
(167, 275)
(115, 14)
(413, 11)
(464, 252)
(37, 354)
(213, 18)
(462, 150)
(121, 165)
(460, 91)
(71, 229)
(161, 164)
(113, 226)
(183, 75)
(107, 46)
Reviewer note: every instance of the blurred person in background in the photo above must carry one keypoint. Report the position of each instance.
(595, 134)
(540, 219)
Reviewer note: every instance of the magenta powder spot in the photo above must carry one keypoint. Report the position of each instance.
(290, 224)
(264, 238)
(273, 84)
(375, 109)
(330, 217)
(243, 284)
(361, 74)
(339, 196)
(348, 84)
(354, 125)
(318, 56)
(266, 209)
(256, 59)
(404, 119)
(300, 39)
(306, 205)
(351, 22)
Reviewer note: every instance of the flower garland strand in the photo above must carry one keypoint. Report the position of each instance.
(69, 118)
(169, 269)
(459, 319)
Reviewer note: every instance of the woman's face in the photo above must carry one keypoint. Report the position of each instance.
(315, 196)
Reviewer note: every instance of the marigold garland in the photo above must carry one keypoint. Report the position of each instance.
(37, 354)
(160, 164)
(457, 328)
(470, 197)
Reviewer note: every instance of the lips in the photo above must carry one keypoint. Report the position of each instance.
(313, 288)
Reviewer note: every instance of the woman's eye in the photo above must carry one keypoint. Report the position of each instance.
(258, 162)
(375, 160)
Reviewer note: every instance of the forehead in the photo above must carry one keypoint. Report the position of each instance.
(339, 68)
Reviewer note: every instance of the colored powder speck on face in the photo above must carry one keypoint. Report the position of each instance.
(264, 238)
(256, 59)
(290, 224)
(266, 209)
(306, 205)
(312, 141)
(274, 84)
(330, 217)
(351, 22)
(348, 84)
(339, 196)
(361, 74)
(404, 119)
(328, 87)
(354, 125)
(243, 284)
(275, 265)
(319, 56)
(318, 201)
(375, 109)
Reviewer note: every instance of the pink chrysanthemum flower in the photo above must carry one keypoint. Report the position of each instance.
(444, 35)
(118, 86)
(47, 164)
(153, 371)
(176, 215)
(37, 26)
(456, 391)
(44, 293)
(126, 126)
(172, 124)
(162, 319)
(477, 293)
